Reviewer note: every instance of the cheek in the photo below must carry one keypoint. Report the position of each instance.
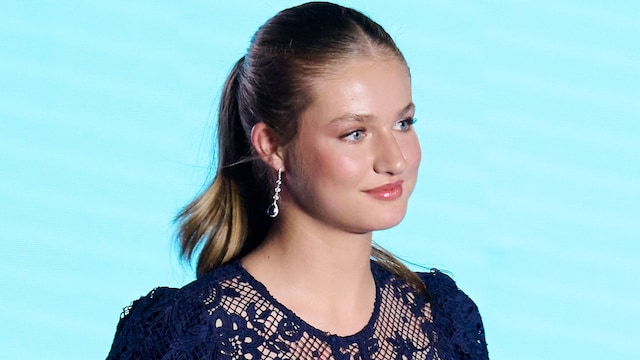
(337, 166)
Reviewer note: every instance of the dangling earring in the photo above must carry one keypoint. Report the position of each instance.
(273, 209)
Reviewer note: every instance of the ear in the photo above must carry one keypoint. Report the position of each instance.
(266, 145)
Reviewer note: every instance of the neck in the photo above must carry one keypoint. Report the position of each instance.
(328, 256)
(321, 274)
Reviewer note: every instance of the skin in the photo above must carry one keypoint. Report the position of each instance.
(354, 140)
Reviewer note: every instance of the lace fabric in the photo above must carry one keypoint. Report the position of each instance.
(227, 314)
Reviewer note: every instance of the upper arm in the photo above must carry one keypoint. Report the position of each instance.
(456, 318)
(144, 329)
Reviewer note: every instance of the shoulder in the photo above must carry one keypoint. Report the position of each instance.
(455, 316)
(143, 329)
(168, 321)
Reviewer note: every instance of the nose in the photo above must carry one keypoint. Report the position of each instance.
(390, 158)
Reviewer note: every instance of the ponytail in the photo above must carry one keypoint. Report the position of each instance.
(396, 267)
(222, 223)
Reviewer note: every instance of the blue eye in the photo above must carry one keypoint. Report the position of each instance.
(405, 125)
(354, 136)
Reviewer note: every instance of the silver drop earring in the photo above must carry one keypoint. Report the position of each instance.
(273, 209)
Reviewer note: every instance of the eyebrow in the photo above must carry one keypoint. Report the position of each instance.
(365, 118)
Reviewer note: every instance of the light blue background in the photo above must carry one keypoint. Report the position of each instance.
(529, 117)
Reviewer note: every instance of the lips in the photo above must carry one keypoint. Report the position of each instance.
(389, 191)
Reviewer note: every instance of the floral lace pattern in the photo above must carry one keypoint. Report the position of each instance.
(227, 314)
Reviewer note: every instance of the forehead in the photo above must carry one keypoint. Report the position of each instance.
(366, 87)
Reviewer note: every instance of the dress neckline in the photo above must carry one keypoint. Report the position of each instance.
(365, 333)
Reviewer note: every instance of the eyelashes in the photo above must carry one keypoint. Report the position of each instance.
(354, 136)
(359, 134)
(405, 125)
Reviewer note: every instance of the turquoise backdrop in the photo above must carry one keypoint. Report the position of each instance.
(529, 118)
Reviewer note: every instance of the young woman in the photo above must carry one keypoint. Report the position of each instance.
(316, 150)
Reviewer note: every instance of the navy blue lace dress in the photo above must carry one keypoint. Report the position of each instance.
(228, 314)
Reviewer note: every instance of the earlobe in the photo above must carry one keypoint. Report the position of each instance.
(266, 145)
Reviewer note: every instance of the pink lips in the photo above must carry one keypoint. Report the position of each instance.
(389, 191)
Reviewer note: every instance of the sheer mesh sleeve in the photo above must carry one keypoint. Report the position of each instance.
(161, 325)
(456, 319)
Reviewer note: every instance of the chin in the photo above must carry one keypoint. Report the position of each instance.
(387, 221)
(375, 222)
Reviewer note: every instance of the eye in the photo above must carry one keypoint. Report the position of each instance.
(354, 136)
(405, 125)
